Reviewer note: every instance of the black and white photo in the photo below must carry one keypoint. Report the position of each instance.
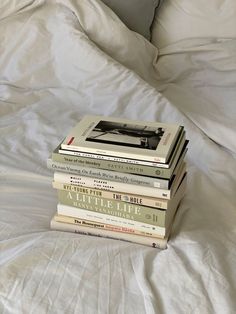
(126, 135)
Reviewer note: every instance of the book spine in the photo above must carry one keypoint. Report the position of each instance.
(113, 165)
(109, 175)
(112, 158)
(111, 185)
(147, 215)
(88, 223)
(124, 197)
(81, 213)
(152, 242)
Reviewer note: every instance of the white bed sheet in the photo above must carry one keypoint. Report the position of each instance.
(60, 61)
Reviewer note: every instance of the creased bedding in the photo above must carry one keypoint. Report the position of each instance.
(60, 60)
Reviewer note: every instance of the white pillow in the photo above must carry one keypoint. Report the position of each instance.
(181, 19)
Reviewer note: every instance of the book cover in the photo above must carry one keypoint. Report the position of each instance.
(148, 141)
(84, 230)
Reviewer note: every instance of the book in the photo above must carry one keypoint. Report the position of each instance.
(117, 186)
(84, 230)
(165, 173)
(109, 136)
(108, 217)
(180, 141)
(80, 213)
(110, 175)
(113, 158)
(89, 223)
(125, 197)
(125, 210)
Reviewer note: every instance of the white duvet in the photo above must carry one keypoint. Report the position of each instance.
(60, 60)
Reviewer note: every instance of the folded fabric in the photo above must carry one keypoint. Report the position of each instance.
(181, 19)
(138, 15)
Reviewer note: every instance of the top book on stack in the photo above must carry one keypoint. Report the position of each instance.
(137, 142)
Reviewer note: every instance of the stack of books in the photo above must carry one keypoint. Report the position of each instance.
(120, 179)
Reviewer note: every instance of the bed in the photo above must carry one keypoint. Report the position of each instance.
(60, 60)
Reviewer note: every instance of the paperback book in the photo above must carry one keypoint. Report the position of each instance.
(180, 142)
(133, 238)
(123, 218)
(156, 172)
(118, 186)
(111, 175)
(118, 196)
(85, 214)
(93, 224)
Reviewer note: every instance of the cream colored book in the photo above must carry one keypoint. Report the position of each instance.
(111, 217)
(114, 186)
(94, 224)
(84, 230)
(117, 196)
(156, 172)
(109, 175)
(137, 140)
(99, 217)
(126, 210)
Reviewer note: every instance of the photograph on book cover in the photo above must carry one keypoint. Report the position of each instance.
(124, 134)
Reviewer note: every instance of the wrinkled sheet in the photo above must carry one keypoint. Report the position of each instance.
(60, 60)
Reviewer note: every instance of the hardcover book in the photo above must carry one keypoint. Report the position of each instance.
(147, 141)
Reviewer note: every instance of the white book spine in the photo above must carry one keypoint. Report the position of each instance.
(113, 158)
(80, 213)
(143, 159)
(124, 197)
(109, 175)
(111, 185)
(148, 241)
